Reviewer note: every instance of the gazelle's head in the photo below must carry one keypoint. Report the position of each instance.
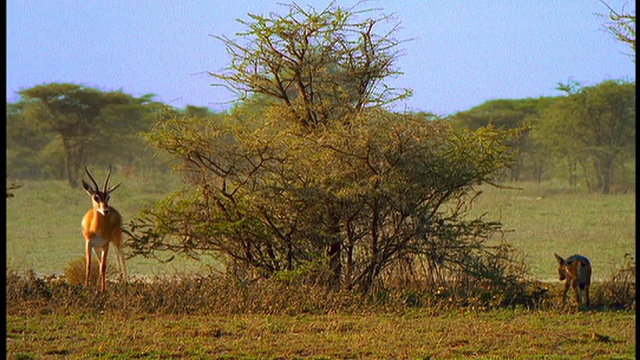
(99, 198)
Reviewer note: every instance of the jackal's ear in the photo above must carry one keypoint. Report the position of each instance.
(560, 259)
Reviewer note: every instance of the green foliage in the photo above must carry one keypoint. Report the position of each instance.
(502, 113)
(75, 125)
(25, 143)
(272, 196)
(593, 128)
(512, 114)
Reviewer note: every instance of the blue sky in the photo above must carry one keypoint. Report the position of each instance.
(462, 53)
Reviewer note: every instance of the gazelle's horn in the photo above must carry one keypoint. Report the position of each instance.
(92, 179)
(106, 181)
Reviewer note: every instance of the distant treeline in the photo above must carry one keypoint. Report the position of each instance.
(586, 138)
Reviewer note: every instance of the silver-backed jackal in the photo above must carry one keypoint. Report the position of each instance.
(577, 271)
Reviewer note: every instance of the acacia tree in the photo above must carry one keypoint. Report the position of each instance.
(326, 180)
(361, 198)
(594, 126)
(324, 66)
(84, 119)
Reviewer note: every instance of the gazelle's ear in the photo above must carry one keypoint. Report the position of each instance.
(113, 188)
(87, 188)
(560, 259)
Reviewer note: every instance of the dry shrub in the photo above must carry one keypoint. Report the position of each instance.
(75, 271)
(480, 278)
(26, 293)
(620, 290)
(290, 293)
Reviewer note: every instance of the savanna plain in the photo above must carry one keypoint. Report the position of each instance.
(43, 239)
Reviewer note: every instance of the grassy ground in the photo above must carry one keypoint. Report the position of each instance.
(43, 225)
(43, 234)
(455, 334)
(544, 219)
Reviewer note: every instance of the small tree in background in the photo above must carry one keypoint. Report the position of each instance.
(85, 120)
(593, 128)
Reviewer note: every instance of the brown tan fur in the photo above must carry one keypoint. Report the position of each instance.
(576, 270)
(101, 226)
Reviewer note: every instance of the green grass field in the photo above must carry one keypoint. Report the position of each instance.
(43, 225)
(543, 219)
(43, 234)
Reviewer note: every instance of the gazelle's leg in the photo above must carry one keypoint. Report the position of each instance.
(97, 251)
(117, 242)
(567, 285)
(87, 273)
(118, 259)
(586, 295)
(122, 265)
(103, 267)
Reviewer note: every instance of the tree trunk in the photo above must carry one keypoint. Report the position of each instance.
(333, 253)
(69, 160)
(606, 173)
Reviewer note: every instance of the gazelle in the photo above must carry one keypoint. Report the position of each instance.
(101, 226)
(577, 271)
